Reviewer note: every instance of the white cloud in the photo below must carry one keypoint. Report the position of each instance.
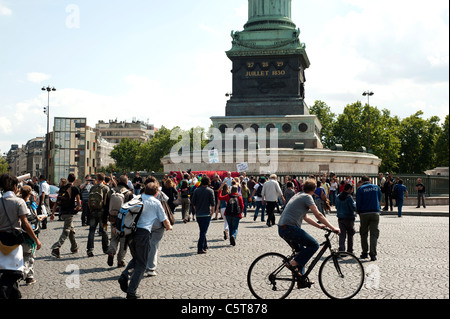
(37, 77)
(398, 50)
(4, 11)
(5, 125)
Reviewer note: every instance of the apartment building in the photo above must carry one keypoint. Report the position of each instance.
(114, 131)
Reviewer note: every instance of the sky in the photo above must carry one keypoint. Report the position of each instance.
(164, 62)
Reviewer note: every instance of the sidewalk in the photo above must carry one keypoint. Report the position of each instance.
(430, 211)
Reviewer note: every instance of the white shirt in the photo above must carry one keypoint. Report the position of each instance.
(271, 191)
(152, 211)
(44, 188)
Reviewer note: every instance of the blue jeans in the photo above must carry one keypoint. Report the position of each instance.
(245, 206)
(259, 206)
(400, 206)
(203, 224)
(233, 224)
(307, 245)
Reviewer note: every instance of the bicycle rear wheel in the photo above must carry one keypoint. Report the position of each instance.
(341, 276)
(268, 277)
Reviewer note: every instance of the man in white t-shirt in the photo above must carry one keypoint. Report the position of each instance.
(270, 193)
(257, 194)
(44, 199)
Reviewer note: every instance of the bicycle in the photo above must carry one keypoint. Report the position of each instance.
(341, 275)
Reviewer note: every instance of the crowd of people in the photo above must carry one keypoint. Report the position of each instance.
(26, 207)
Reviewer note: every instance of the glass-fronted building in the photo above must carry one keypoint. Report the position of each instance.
(72, 150)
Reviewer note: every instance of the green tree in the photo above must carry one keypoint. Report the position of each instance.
(150, 153)
(441, 148)
(3, 166)
(125, 154)
(351, 129)
(418, 139)
(327, 119)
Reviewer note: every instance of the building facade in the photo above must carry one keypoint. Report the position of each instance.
(114, 131)
(72, 149)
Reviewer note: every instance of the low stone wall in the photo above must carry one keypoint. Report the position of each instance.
(429, 201)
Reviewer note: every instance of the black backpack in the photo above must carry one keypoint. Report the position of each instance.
(233, 208)
(64, 196)
(259, 190)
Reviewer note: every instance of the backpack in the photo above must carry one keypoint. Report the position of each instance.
(259, 190)
(128, 217)
(95, 201)
(233, 208)
(116, 201)
(64, 196)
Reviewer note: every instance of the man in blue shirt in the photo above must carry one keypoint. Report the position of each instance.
(140, 244)
(368, 198)
(402, 192)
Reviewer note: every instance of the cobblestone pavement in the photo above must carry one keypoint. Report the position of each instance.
(413, 262)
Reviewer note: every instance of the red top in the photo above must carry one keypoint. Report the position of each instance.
(227, 198)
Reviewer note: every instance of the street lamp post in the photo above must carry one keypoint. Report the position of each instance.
(368, 94)
(47, 140)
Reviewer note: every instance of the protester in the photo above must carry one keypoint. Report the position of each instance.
(368, 207)
(97, 216)
(137, 183)
(140, 244)
(401, 192)
(29, 246)
(233, 211)
(85, 188)
(246, 195)
(169, 189)
(13, 216)
(44, 200)
(320, 197)
(67, 197)
(346, 208)
(115, 198)
(257, 194)
(420, 193)
(203, 203)
(388, 188)
(288, 193)
(270, 193)
(185, 199)
(225, 190)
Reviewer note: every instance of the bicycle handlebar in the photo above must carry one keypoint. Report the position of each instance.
(329, 231)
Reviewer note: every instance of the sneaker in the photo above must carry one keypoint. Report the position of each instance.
(90, 254)
(225, 235)
(30, 281)
(373, 258)
(151, 273)
(55, 253)
(232, 241)
(120, 264)
(364, 256)
(133, 296)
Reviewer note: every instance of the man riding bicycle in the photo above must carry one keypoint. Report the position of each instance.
(290, 226)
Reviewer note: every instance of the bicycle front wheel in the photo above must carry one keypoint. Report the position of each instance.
(341, 276)
(269, 278)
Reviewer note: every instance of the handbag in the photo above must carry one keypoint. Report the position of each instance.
(13, 236)
(168, 212)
